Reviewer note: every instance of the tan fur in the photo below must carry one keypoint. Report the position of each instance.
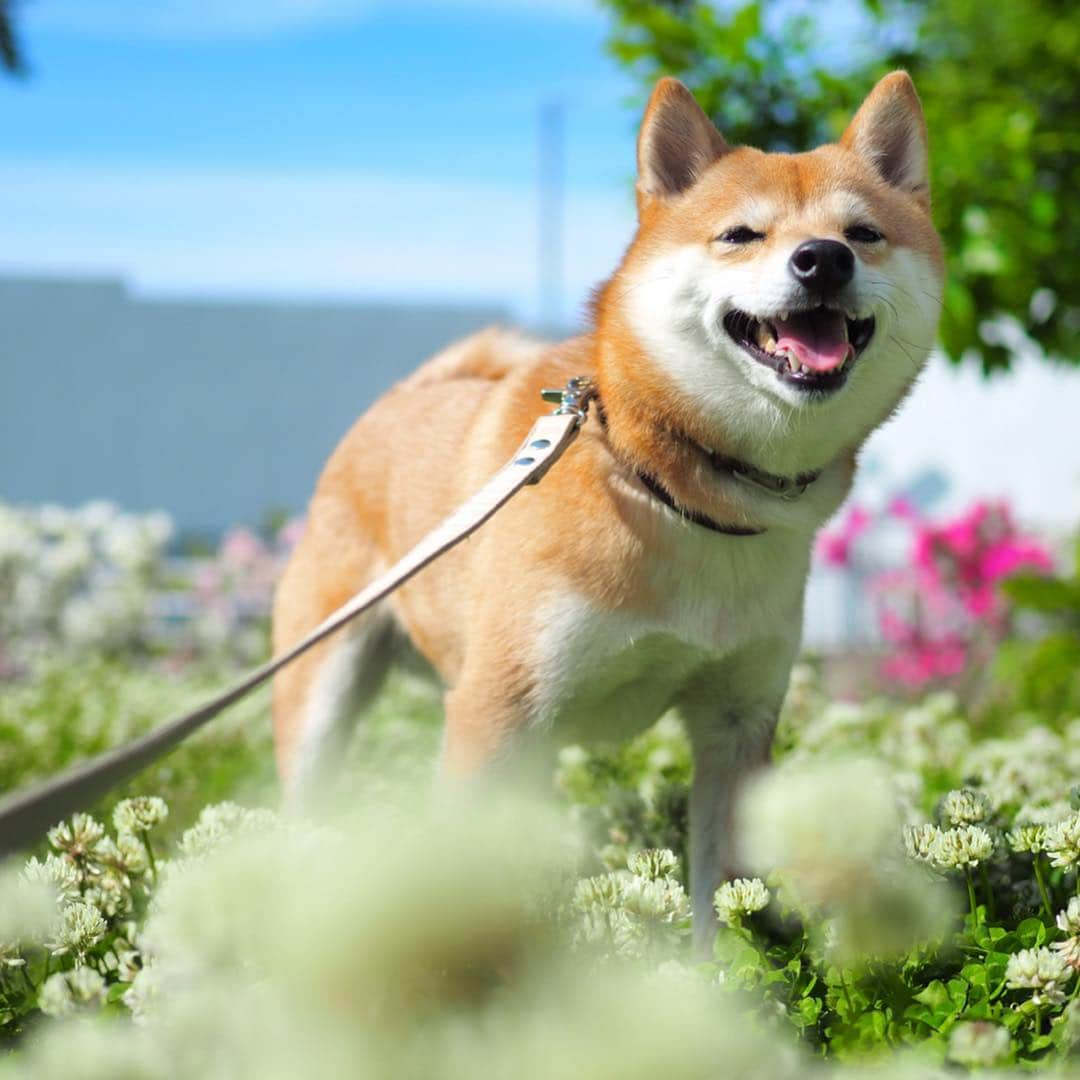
(589, 546)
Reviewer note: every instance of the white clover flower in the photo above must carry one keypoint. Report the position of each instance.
(663, 900)
(1062, 842)
(56, 872)
(17, 537)
(10, 955)
(1042, 971)
(66, 991)
(653, 863)
(78, 837)
(603, 892)
(139, 814)
(219, 823)
(670, 728)
(67, 562)
(1042, 813)
(962, 848)
(97, 516)
(110, 894)
(81, 928)
(965, 807)
(919, 841)
(736, 899)
(1026, 838)
(159, 527)
(573, 757)
(130, 545)
(663, 757)
(978, 1044)
(128, 960)
(1069, 951)
(126, 856)
(140, 995)
(1068, 922)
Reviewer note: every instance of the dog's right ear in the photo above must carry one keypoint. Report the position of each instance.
(677, 143)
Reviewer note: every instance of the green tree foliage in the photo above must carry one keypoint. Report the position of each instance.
(1001, 87)
(1042, 672)
(10, 56)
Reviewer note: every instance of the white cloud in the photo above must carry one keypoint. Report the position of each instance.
(214, 19)
(301, 233)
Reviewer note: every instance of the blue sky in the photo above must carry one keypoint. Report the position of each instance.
(352, 148)
(316, 147)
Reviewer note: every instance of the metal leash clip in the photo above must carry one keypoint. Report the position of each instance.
(573, 399)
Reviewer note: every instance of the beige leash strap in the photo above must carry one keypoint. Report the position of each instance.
(27, 814)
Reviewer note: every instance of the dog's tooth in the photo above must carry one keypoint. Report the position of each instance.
(784, 316)
(766, 339)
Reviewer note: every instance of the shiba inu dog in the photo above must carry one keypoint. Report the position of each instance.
(771, 311)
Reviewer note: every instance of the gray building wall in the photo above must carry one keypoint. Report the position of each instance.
(213, 411)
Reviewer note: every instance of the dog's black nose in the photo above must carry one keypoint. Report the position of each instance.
(823, 266)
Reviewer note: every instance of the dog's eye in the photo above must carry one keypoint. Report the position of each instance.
(863, 234)
(741, 234)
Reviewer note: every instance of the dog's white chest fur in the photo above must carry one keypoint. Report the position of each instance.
(607, 673)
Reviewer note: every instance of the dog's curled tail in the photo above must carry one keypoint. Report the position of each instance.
(490, 355)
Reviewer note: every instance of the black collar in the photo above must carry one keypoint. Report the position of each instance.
(696, 516)
(788, 488)
(782, 487)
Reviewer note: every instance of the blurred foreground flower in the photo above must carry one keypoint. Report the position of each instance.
(978, 1044)
(67, 991)
(832, 830)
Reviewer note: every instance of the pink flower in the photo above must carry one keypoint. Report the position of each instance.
(931, 612)
(241, 547)
(834, 547)
(289, 534)
(1011, 554)
(926, 662)
(903, 508)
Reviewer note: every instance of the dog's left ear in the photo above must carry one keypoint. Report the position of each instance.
(889, 132)
(678, 142)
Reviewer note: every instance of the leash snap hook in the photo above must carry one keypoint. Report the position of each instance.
(573, 399)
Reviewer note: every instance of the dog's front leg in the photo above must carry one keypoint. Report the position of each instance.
(731, 718)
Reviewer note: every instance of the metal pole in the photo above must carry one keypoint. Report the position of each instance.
(551, 179)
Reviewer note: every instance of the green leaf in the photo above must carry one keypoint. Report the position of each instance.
(1031, 933)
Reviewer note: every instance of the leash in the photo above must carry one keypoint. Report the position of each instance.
(26, 814)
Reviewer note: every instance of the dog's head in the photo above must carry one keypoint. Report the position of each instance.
(783, 292)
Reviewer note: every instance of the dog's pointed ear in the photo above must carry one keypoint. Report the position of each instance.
(889, 132)
(677, 143)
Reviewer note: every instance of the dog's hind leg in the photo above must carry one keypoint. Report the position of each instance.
(318, 699)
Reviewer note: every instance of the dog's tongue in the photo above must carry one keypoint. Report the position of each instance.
(817, 339)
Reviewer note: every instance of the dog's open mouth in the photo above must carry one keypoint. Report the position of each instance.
(813, 349)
